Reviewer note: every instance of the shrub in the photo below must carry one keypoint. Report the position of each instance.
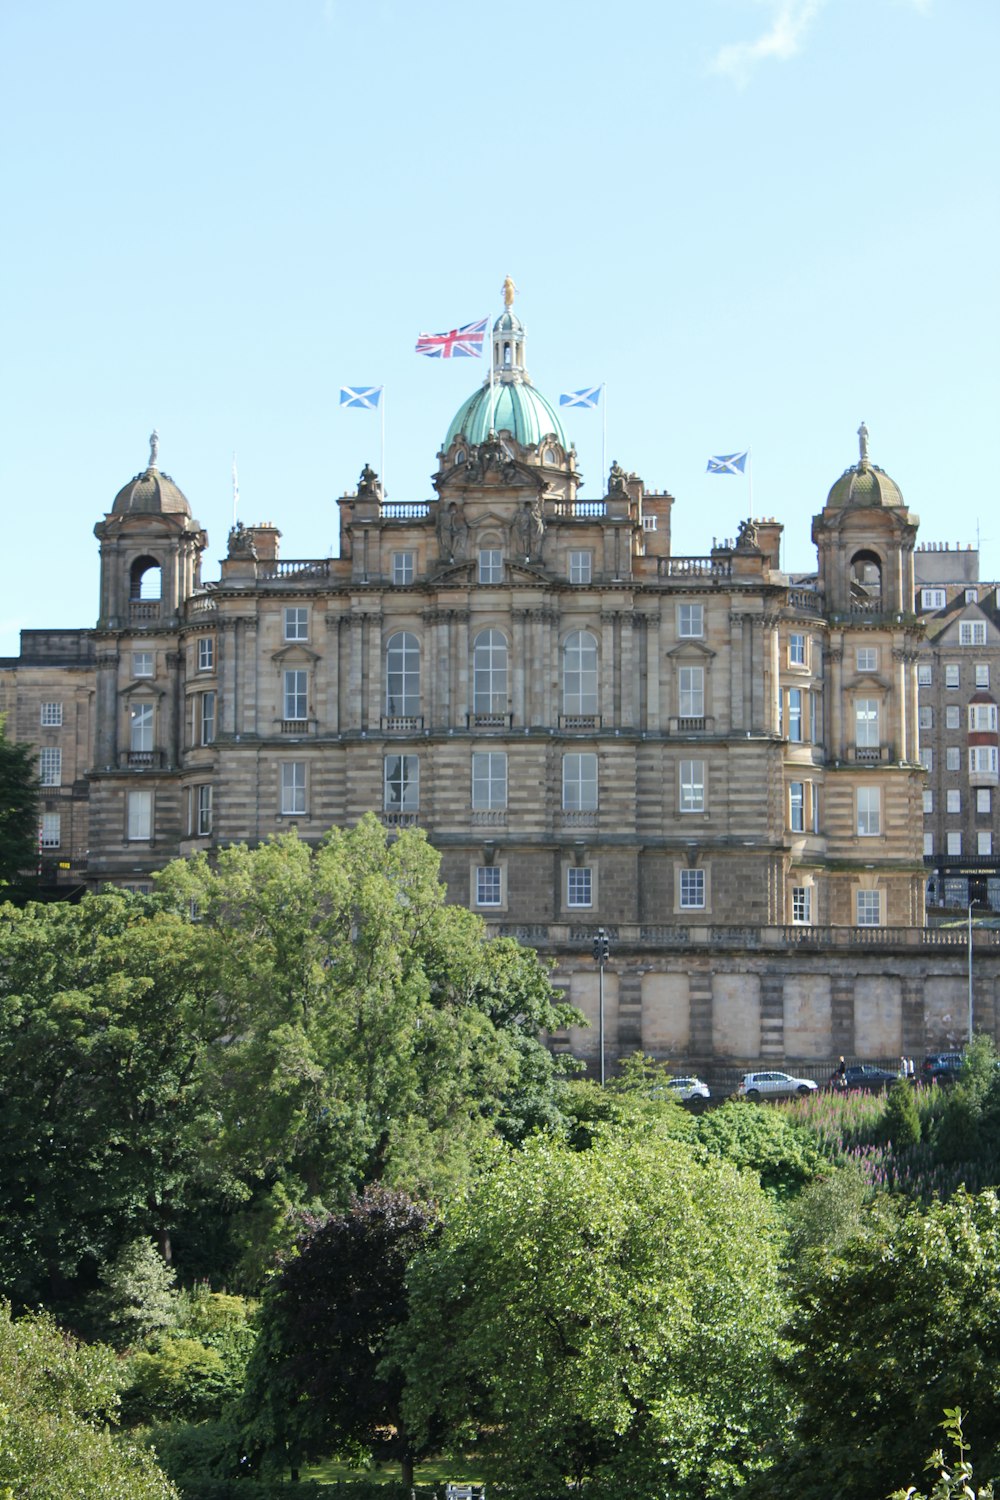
(902, 1120)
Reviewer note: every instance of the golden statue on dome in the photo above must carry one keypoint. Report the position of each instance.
(508, 292)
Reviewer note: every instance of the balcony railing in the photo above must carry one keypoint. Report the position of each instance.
(397, 819)
(489, 721)
(143, 611)
(410, 510)
(142, 760)
(694, 567)
(402, 723)
(295, 568)
(295, 726)
(489, 817)
(580, 723)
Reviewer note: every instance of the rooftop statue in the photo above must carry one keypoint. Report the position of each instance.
(508, 291)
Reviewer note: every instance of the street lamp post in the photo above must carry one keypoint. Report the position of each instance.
(602, 949)
(971, 904)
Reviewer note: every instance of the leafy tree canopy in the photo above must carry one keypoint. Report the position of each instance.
(18, 817)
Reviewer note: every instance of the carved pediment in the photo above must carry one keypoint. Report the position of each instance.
(294, 654)
(696, 650)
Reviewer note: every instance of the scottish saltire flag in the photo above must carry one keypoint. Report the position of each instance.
(728, 463)
(366, 396)
(466, 341)
(589, 396)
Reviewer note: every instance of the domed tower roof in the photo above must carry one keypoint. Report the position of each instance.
(513, 405)
(151, 493)
(864, 483)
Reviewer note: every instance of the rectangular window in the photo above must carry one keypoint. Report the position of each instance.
(579, 792)
(140, 816)
(50, 765)
(928, 802)
(204, 811)
(490, 565)
(207, 724)
(141, 727)
(869, 811)
(972, 596)
(927, 757)
(796, 649)
(984, 842)
(954, 801)
(982, 759)
(952, 716)
(954, 844)
(691, 681)
(795, 715)
(972, 632)
(869, 908)
(802, 903)
(932, 599)
(295, 706)
(982, 716)
(293, 788)
(142, 663)
(925, 676)
(206, 654)
(51, 716)
(489, 780)
(984, 801)
(982, 675)
(866, 722)
(488, 885)
(579, 885)
(867, 659)
(50, 833)
(402, 783)
(796, 807)
(928, 844)
(402, 567)
(692, 890)
(581, 567)
(692, 797)
(296, 624)
(925, 716)
(691, 620)
(953, 758)
(951, 676)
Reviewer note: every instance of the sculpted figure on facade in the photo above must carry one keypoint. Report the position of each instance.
(452, 533)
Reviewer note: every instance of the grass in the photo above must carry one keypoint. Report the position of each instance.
(434, 1472)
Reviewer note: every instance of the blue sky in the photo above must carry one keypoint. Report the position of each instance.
(757, 221)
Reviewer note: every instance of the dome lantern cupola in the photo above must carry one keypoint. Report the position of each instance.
(864, 483)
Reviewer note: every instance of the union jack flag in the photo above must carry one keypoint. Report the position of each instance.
(467, 341)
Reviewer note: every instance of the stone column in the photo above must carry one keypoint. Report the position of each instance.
(608, 675)
(106, 741)
(833, 708)
(331, 673)
(652, 716)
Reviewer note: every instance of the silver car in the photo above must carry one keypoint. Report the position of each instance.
(774, 1085)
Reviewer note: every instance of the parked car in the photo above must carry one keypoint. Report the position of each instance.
(941, 1067)
(864, 1076)
(689, 1090)
(774, 1086)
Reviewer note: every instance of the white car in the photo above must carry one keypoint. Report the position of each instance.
(774, 1086)
(689, 1090)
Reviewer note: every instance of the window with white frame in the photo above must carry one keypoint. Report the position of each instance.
(139, 816)
(866, 732)
(954, 842)
(928, 802)
(972, 632)
(50, 833)
(972, 596)
(692, 786)
(489, 673)
(984, 841)
(927, 757)
(952, 716)
(581, 566)
(982, 674)
(932, 598)
(203, 811)
(867, 658)
(580, 673)
(954, 800)
(691, 692)
(579, 885)
(869, 908)
(928, 844)
(692, 890)
(796, 649)
(402, 567)
(489, 780)
(801, 904)
(206, 719)
(984, 800)
(51, 716)
(579, 782)
(295, 698)
(953, 758)
(690, 621)
(296, 623)
(982, 716)
(490, 565)
(951, 679)
(488, 885)
(206, 654)
(402, 783)
(50, 765)
(982, 759)
(293, 788)
(925, 675)
(140, 730)
(796, 806)
(925, 716)
(142, 663)
(869, 811)
(402, 675)
(795, 715)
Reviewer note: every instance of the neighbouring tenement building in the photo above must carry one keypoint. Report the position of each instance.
(717, 762)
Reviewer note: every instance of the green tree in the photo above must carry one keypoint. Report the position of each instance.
(605, 1317)
(315, 1385)
(902, 1118)
(57, 1398)
(138, 1297)
(18, 817)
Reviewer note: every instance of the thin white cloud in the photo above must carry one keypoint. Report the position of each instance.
(790, 21)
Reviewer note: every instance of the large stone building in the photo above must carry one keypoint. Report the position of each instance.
(715, 761)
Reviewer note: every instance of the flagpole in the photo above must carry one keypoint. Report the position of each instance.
(381, 408)
(604, 434)
(236, 489)
(750, 478)
(493, 411)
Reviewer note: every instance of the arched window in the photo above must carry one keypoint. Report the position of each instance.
(489, 673)
(144, 579)
(866, 580)
(402, 674)
(580, 673)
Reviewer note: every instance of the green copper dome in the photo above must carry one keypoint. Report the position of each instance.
(864, 483)
(517, 408)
